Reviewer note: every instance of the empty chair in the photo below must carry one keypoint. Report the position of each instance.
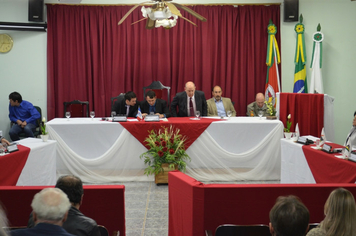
(38, 131)
(76, 108)
(103, 230)
(241, 230)
(114, 99)
(157, 87)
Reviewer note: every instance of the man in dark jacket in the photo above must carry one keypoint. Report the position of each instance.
(76, 223)
(155, 105)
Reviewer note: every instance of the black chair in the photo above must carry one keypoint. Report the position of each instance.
(240, 230)
(157, 87)
(114, 99)
(76, 108)
(103, 230)
(38, 130)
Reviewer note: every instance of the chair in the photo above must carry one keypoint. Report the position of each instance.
(38, 130)
(114, 99)
(312, 226)
(103, 231)
(240, 230)
(157, 87)
(76, 108)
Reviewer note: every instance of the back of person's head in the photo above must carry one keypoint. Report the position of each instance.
(151, 94)
(340, 213)
(129, 95)
(15, 96)
(289, 217)
(72, 186)
(50, 205)
(3, 223)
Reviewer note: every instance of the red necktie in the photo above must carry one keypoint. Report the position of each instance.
(191, 108)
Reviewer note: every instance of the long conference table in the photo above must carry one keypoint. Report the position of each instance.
(306, 164)
(239, 148)
(34, 164)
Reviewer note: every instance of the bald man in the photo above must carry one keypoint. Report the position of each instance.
(256, 106)
(186, 103)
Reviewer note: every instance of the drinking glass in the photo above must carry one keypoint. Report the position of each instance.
(260, 113)
(92, 114)
(113, 113)
(228, 114)
(68, 115)
(197, 115)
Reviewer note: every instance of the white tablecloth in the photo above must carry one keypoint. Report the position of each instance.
(241, 148)
(40, 167)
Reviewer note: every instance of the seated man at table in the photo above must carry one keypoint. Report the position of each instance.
(351, 137)
(259, 105)
(76, 223)
(218, 105)
(188, 102)
(289, 217)
(4, 141)
(24, 116)
(126, 105)
(154, 105)
(50, 210)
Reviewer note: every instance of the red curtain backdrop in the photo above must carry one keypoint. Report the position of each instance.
(91, 58)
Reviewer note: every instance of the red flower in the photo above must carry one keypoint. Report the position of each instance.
(164, 149)
(161, 139)
(171, 140)
(160, 153)
(171, 151)
(164, 143)
(157, 143)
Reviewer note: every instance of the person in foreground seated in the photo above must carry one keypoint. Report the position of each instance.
(77, 223)
(126, 105)
(4, 141)
(218, 105)
(340, 215)
(289, 217)
(256, 106)
(23, 114)
(351, 137)
(155, 105)
(188, 102)
(50, 209)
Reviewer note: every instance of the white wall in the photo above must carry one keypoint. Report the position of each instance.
(23, 69)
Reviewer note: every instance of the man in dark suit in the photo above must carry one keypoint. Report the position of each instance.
(126, 105)
(189, 101)
(152, 104)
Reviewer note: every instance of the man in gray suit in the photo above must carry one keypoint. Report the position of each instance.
(218, 105)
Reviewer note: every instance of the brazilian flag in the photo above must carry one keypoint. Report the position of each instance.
(300, 75)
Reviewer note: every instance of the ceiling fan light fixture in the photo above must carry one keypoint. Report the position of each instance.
(159, 15)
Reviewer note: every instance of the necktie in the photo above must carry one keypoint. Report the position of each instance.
(127, 110)
(191, 108)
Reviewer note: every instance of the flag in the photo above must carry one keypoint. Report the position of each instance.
(272, 61)
(316, 83)
(300, 75)
(139, 114)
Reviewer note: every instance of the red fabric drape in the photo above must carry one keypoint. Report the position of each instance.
(91, 58)
(306, 109)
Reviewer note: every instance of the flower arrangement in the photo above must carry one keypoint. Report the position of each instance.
(43, 126)
(165, 146)
(270, 108)
(289, 124)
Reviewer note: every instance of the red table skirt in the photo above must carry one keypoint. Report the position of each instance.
(11, 166)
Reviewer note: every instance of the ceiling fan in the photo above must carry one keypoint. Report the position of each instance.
(162, 13)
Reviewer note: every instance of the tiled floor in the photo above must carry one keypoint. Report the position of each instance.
(146, 206)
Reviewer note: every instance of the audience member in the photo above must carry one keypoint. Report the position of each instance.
(50, 210)
(340, 215)
(23, 114)
(218, 105)
(154, 105)
(351, 137)
(4, 141)
(256, 106)
(188, 102)
(126, 105)
(288, 217)
(77, 223)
